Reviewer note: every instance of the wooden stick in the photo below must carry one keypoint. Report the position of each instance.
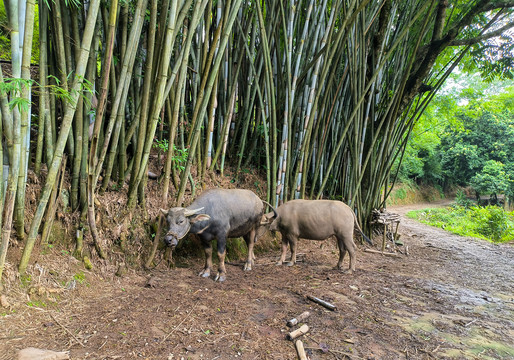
(298, 332)
(155, 244)
(380, 252)
(184, 319)
(384, 237)
(471, 322)
(323, 303)
(300, 350)
(299, 318)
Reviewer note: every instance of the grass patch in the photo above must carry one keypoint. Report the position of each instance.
(489, 223)
(37, 303)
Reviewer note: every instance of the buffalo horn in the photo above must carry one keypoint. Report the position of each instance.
(274, 212)
(192, 212)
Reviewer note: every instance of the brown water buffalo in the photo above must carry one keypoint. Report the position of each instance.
(220, 214)
(316, 220)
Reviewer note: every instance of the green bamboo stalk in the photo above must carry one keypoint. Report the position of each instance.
(54, 198)
(58, 44)
(25, 119)
(78, 126)
(92, 176)
(10, 194)
(203, 99)
(271, 171)
(222, 146)
(211, 114)
(84, 165)
(177, 104)
(251, 91)
(44, 111)
(161, 75)
(121, 89)
(63, 134)
(162, 78)
(147, 91)
(2, 185)
(14, 146)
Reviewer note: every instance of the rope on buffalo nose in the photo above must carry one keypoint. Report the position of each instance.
(175, 235)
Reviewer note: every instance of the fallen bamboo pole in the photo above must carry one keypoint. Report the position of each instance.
(380, 252)
(302, 330)
(323, 303)
(300, 350)
(299, 318)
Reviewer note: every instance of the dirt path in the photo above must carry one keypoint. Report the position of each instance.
(451, 297)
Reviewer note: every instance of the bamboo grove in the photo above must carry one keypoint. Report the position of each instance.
(318, 95)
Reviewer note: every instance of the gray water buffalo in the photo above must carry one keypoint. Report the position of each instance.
(316, 220)
(220, 214)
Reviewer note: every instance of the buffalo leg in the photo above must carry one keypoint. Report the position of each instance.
(342, 252)
(222, 273)
(250, 241)
(293, 240)
(206, 272)
(346, 242)
(285, 242)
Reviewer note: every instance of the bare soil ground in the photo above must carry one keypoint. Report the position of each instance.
(450, 297)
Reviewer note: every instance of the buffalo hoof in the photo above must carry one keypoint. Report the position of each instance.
(247, 267)
(205, 273)
(220, 277)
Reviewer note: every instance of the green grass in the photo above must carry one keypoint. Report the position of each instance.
(489, 223)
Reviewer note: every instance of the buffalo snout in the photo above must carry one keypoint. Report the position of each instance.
(171, 241)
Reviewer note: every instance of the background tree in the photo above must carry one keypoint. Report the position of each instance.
(491, 180)
(463, 137)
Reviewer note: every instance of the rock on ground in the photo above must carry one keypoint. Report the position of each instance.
(41, 354)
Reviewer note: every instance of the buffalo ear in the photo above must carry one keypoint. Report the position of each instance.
(268, 218)
(199, 217)
(264, 220)
(164, 212)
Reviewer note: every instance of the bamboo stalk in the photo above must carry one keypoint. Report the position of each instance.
(25, 118)
(54, 198)
(201, 105)
(145, 101)
(63, 134)
(10, 193)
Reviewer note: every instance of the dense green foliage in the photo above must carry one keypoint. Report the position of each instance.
(464, 138)
(490, 223)
(477, 153)
(5, 40)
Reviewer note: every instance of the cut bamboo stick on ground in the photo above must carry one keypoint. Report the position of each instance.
(380, 252)
(298, 319)
(300, 350)
(298, 332)
(323, 303)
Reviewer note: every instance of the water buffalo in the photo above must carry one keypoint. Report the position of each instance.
(220, 214)
(316, 220)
